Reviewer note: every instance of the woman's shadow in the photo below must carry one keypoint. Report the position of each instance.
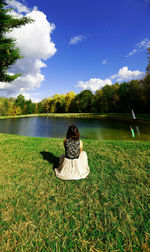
(50, 158)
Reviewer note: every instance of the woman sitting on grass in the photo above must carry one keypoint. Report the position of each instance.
(74, 164)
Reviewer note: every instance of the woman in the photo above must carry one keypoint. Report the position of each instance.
(74, 164)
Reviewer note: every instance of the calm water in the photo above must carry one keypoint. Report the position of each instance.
(89, 128)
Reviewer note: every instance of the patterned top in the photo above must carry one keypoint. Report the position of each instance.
(72, 148)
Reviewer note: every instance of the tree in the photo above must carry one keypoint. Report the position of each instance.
(57, 103)
(10, 110)
(98, 98)
(20, 101)
(146, 93)
(39, 107)
(1, 108)
(123, 93)
(85, 102)
(45, 105)
(134, 95)
(9, 53)
(148, 67)
(69, 100)
(30, 107)
(110, 98)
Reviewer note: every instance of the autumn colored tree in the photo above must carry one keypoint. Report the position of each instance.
(69, 101)
(45, 105)
(57, 104)
(1, 108)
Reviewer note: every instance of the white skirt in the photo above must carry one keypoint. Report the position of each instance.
(73, 169)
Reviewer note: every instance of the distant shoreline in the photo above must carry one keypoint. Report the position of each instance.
(115, 116)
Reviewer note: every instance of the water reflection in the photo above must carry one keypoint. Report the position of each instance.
(89, 128)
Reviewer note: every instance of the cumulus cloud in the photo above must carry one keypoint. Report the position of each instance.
(34, 96)
(75, 40)
(94, 84)
(139, 47)
(18, 6)
(124, 74)
(34, 41)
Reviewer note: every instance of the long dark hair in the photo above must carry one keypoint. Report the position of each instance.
(73, 133)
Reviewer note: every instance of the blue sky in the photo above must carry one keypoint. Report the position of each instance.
(93, 43)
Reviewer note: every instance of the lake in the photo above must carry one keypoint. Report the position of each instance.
(89, 128)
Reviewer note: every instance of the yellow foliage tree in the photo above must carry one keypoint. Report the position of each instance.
(69, 98)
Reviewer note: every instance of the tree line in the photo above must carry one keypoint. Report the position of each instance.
(118, 98)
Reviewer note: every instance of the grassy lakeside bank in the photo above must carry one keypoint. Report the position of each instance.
(117, 116)
(107, 211)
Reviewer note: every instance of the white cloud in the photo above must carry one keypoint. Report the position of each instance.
(75, 40)
(32, 97)
(124, 74)
(94, 84)
(17, 6)
(22, 84)
(139, 47)
(34, 41)
(105, 61)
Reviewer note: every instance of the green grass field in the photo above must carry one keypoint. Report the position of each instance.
(107, 211)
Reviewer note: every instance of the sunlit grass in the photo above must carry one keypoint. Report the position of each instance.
(107, 211)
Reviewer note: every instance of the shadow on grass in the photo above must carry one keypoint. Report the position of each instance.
(50, 158)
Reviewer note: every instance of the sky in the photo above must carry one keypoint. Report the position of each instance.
(74, 45)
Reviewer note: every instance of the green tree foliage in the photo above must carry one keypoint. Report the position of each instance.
(8, 51)
(148, 67)
(146, 93)
(122, 98)
(134, 94)
(107, 99)
(18, 106)
(39, 108)
(29, 107)
(85, 102)
(110, 97)
(20, 101)
(99, 98)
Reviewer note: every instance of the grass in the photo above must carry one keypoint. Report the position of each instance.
(117, 116)
(107, 211)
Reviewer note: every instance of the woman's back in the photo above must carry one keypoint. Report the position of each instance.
(74, 164)
(72, 148)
